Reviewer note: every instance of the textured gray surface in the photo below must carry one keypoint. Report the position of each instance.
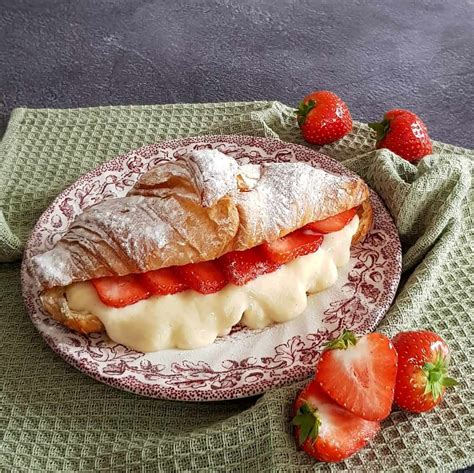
(376, 55)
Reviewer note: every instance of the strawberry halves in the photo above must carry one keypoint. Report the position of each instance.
(359, 374)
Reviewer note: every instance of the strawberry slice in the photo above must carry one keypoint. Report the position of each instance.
(120, 291)
(205, 277)
(359, 374)
(325, 430)
(163, 281)
(298, 243)
(242, 266)
(333, 224)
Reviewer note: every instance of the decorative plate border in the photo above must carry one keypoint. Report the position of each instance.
(362, 299)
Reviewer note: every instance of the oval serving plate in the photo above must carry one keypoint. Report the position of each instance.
(245, 362)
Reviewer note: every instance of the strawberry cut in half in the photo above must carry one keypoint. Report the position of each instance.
(333, 224)
(205, 277)
(325, 430)
(359, 374)
(242, 266)
(298, 243)
(163, 281)
(120, 291)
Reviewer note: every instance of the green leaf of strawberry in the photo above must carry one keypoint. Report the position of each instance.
(303, 110)
(308, 421)
(344, 341)
(325, 430)
(381, 128)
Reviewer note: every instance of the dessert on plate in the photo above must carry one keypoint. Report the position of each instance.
(199, 245)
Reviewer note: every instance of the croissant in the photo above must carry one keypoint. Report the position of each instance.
(194, 209)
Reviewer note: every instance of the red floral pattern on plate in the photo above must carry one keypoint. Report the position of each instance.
(246, 362)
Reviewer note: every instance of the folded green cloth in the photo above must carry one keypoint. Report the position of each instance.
(55, 418)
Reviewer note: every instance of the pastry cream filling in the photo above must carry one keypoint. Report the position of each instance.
(191, 320)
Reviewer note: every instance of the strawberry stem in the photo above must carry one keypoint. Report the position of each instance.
(436, 378)
(343, 342)
(303, 110)
(381, 128)
(308, 421)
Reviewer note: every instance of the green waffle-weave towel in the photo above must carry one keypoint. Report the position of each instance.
(55, 418)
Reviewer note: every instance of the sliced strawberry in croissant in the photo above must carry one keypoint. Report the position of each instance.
(334, 223)
(207, 208)
(205, 277)
(162, 282)
(242, 266)
(298, 243)
(120, 291)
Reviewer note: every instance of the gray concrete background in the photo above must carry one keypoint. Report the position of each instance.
(376, 55)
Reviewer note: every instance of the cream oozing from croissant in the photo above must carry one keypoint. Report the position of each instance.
(198, 208)
(190, 320)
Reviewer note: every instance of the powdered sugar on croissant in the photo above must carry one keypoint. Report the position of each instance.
(196, 209)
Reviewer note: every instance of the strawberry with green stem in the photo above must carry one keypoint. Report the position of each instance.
(323, 117)
(359, 374)
(327, 431)
(422, 374)
(404, 133)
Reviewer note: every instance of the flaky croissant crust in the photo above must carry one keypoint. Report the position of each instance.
(196, 209)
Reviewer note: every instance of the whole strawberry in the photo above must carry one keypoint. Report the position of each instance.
(323, 118)
(422, 380)
(404, 133)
